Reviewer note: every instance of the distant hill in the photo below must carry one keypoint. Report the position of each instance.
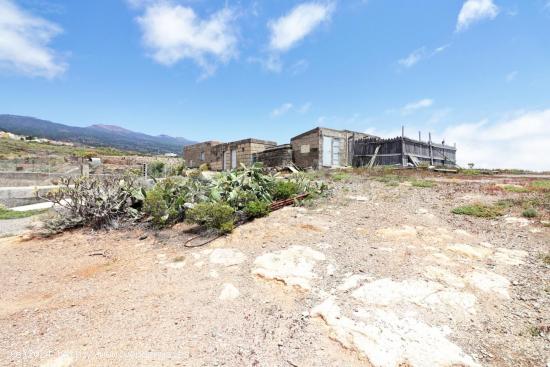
(95, 135)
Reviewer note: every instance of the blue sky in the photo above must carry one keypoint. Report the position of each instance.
(474, 72)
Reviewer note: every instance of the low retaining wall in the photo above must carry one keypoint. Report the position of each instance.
(16, 196)
(19, 179)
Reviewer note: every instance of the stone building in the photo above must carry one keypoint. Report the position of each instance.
(317, 148)
(197, 154)
(322, 147)
(225, 156)
(278, 156)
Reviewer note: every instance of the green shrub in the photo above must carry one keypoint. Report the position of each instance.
(156, 169)
(529, 213)
(423, 183)
(6, 213)
(514, 188)
(386, 178)
(242, 185)
(285, 189)
(213, 216)
(541, 185)
(256, 209)
(308, 183)
(479, 210)
(340, 176)
(97, 201)
(177, 170)
(165, 202)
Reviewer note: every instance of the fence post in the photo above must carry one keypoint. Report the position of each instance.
(144, 169)
(403, 161)
(431, 150)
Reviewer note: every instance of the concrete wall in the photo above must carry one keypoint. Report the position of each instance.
(135, 160)
(16, 196)
(20, 179)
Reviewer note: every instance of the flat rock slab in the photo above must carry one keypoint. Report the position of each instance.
(388, 340)
(226, 257)
(229, 291)
(293, 266)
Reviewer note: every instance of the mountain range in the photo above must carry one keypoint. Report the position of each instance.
(95, 135)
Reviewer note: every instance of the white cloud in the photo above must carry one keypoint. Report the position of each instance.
(304, 108)
(24, 43)
(288, 107)
(511, 76)
(420, 54)
(413, 58)
(439, 116)
(175, 32)
(518, 142)
(291, 28)
(299, 67)
(474, 11)
(271, 63)
(281, 110)
(413, 106)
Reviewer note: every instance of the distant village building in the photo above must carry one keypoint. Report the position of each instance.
(170, 155)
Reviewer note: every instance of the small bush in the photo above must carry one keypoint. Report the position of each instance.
(97, 201)
(213, 216)
(423, 183)
(529, 213)
(156, 169)
(284, 189)
(541, 185)
(308, 183)
(545, 258)
(479, 210)
(242, 185)
(386, 178)
(177, 170)
(165, 202)
(514, 188)
(256, 209)
(340, 176)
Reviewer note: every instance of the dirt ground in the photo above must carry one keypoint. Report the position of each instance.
(373, 275)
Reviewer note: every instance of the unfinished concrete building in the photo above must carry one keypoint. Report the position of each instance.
(322, 147)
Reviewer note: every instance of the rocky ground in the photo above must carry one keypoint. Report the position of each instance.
(374, 275)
